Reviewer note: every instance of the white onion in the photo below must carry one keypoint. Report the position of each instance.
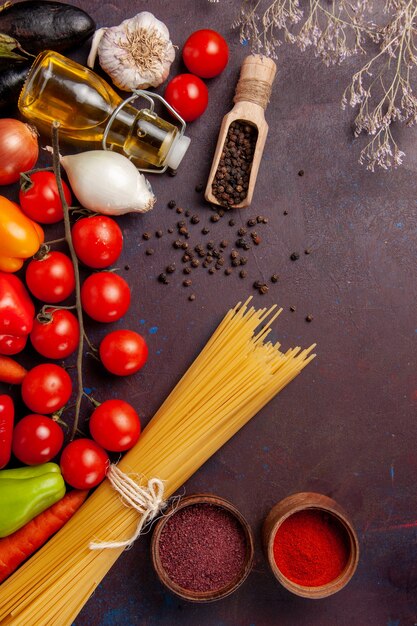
(107, 182)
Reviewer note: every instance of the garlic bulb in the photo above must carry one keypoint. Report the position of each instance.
(107, 182)
(137, 54)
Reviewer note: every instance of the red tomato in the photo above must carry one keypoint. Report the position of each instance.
(52, 278)
(188, 95)
(123, 352)
(36, 439)
(97, 240)
(41, 201)
(58, 337)
(205, 53)
(105, 296)
(115, 425)
(46, 388)
(84, 464)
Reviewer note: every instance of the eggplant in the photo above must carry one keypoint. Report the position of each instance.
(12, 79)
(42, 25)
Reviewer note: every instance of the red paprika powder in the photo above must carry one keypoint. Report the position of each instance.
(311, 548)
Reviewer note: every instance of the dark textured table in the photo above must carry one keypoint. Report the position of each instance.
(346, 427)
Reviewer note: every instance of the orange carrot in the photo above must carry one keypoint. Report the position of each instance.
(17, 547)
(11, 371)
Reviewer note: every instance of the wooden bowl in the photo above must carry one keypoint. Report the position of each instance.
(203, 596)
(301, 502)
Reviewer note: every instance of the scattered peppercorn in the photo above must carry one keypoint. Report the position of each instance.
(183, 230)
(205, 230)
(159, 234)
(179, 209)
(224, 243)
(243, 273)
(294, 256)
(187, 282)
(184, 245)
(274, 278)
(199, 188)
(149, 251)
(186, 258)
(301, 173)
(251, 222)
(263, 289)
(187, 213)
(195, 263)
(186, 270)
(211, 270)
(292, 308)
(177, 244)
(194, 219)
(170, 269)
(243, 260)
(242, 231)
(163, 278)
(234, 254)
(309, 318)
(127, 267)
(215, 217)
(228, 271)
(232, 222)
(235, 262)
(170, 230)
(191, 297)
(146, 236)
(172, 204)
(307, 251)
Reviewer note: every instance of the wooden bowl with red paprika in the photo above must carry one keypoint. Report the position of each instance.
(311, 545)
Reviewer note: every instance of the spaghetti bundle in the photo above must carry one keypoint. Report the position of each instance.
(235, 375)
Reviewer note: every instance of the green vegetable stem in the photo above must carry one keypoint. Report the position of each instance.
(27, 491)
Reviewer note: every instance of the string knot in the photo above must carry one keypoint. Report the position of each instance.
(147, 500)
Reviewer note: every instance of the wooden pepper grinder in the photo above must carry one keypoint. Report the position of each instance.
(251, 99)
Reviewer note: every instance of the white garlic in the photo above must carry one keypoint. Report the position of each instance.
(137, 54)
(107, 182)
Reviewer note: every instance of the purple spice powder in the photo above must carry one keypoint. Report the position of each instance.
(202, 548)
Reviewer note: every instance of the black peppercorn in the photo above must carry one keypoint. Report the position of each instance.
(274, 278)
(243, 273)
(170, 269)
(309, 318)
(228, 271)
(294, 256)
(186, 270)
(199, 188)
(215, 217)
(146, 236)
(205, 230)
(177, 244)
(163, 279)
(232, 222)
(159, 234)
(191, 297)
(172, 204)
(194, 219)
(292, 308)
(187, 282)
(251, 222)
(149, 251)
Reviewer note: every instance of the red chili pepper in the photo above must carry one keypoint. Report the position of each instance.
(6, 429)
(16, 314)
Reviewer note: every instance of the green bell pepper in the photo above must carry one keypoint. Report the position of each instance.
(27, 491)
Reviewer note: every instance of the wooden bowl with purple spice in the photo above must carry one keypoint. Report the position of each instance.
(311, 545)
(202, 549)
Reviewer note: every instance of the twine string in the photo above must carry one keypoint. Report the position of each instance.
(147, 500)
(253, 90)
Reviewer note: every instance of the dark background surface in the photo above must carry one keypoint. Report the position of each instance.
(346, 427)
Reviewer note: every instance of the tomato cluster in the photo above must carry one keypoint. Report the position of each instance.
(55, 334)
(205, 55)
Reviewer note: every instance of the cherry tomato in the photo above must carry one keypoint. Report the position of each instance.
(52, 278)
(84, 464)
(188, 95)
(46, 388)
(97, 240)
(205, 53)
(58, 337)
(36, 439)
(105, 296)
(123, 352)
(41, 201)
(115, 425)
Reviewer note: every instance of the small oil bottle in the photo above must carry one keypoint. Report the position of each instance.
(90, 112)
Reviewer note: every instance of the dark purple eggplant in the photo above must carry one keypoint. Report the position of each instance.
(42, 25)
(12, 78)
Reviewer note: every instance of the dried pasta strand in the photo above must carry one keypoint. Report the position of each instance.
(234, 376)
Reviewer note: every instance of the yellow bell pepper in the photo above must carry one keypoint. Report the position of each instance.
(20, 237)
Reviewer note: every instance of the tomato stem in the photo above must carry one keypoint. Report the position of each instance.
(80, 353)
